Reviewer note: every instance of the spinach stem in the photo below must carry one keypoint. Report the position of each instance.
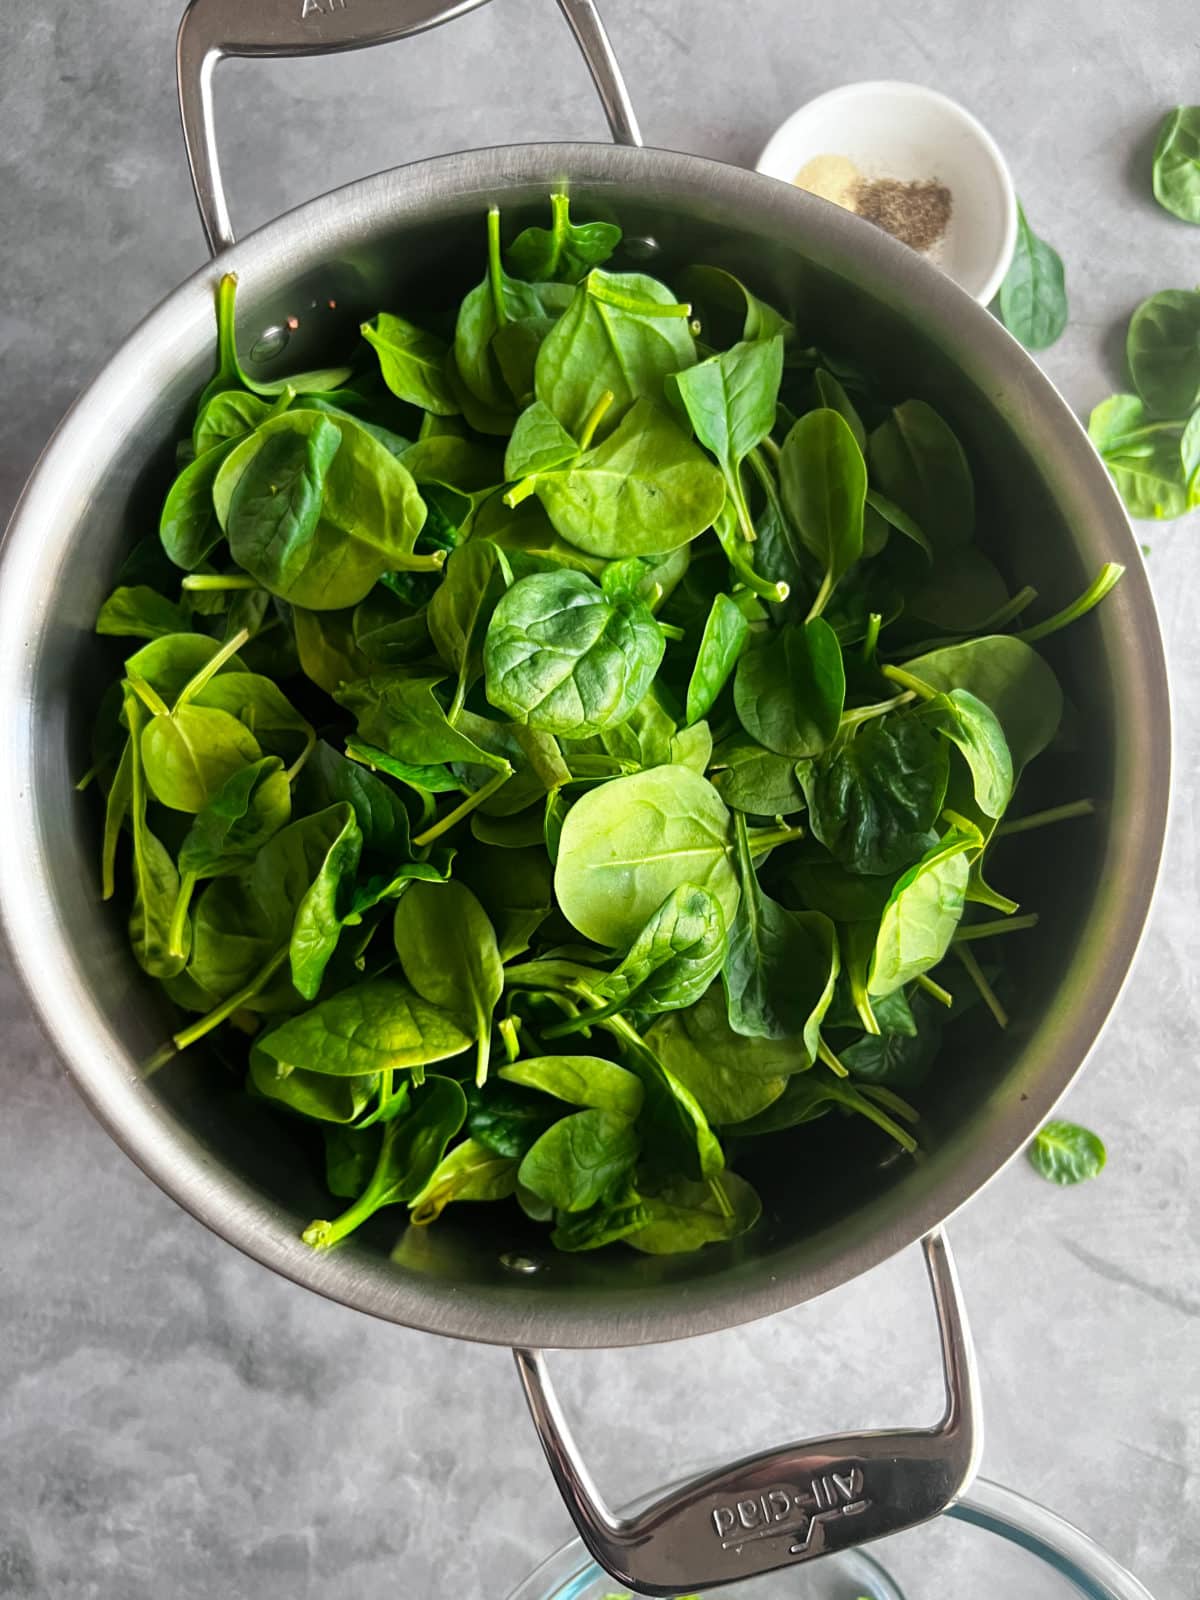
(943, 996)
(219, 581)
(149, 697)
(594, 418)
(987, 994)
(858, 1101)
(772, 449)
(464, 809)
(670, 631)
(734, 547)
(520, 491)
(990, 930)
(227, 358)
(183, 900)
(214, 1019)
(822, 598)
(297, 766)
(717, 1190)
(996, 619)
(1103, 583)
(460, 694)
(210, 668)
(510, 1038)
(857, 714)
(115, 807)
(1042, 819)
(768, 838)
(495, 270)
(871, 638)
(909, 680)
(87, 780)
(825, 1054)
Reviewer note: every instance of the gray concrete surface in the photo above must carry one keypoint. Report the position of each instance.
(175, 1423)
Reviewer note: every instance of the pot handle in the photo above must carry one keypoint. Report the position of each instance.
(213, 29)
(787, 1505)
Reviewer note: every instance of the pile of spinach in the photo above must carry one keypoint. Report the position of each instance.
(557, 749)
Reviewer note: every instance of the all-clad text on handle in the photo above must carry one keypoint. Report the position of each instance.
(783, 1506)
(213, 29)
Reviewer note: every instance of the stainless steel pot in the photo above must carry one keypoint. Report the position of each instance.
(1048, 512)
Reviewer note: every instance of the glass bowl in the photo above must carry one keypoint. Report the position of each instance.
(999, 1542)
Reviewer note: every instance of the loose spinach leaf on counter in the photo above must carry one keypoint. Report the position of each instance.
(1176, 170)
(1033, 296)
(530, 781)
(1065, 1153)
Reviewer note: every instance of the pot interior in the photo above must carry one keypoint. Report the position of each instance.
(834, 1200)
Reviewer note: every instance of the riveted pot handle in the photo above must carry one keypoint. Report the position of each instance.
(784, 1506)
(213, 29)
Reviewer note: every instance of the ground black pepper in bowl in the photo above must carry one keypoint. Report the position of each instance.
(917, 213)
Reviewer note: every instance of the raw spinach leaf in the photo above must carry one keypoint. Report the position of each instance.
(823, 481)
(1065, 1153)
(622, 333)
(922, 912)
(918, 463)
(566, 251)
(378, 1026)
(566, 658)
(730, 400)
(873, 801)
(685, 1216)
(400, 716)
(469, 1172)
(580, 1159)
(413, 363)
(1033, 296)
(1176, 170)
(475, 579)
(588, 1081)
(1163, 348)
(751, 779)
(628, 844)
(727, 310)
(781, 967)
(412, 1148)
(725, 633)
(790, 687)
(732, 1077)
(448, 950)
(1010, 678)
(140, 613)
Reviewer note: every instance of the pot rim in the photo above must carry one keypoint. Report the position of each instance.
(530, 1312)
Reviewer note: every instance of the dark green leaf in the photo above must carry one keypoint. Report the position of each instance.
(1065, 1153)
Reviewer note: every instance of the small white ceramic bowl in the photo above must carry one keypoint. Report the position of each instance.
(905, 131)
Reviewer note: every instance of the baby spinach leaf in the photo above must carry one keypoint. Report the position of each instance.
(831, 394)
(622, 333)
(727, 310)
(391, 885)
(227, 833)
(329, 778)
(1033, 296)
(900, 1059)
(411, 1150)
(813, 1094)
(873, 800)
(564, 658)
(580, 1159)
(566, 251)
(515, 889)
(781, 966)
(970, 725)
(1176, 170)
(158, 947)
(189, 528)
(686, 1216)
(400, 716)
(469, 1172)
(730, 400)
(823, 481)
(140, 613)
(232, 414)
(1010, 678)
(311, 1094)
(317, 924)
(1163, 348)
(647, 488)
(539, 443)
(316, 510)
(731, 1077)
(922, 913)
(749, 778)
(476, 576)
(581, 1081)
(448, 950)
(413, 363)
(189, 752)
(1065, 1153)
(350, 1156)
(918, 463)
(725, 633)
(790, 687)
(675, 1132)
(628, 844)
(262, 708)
(376, 1026)
(668, 966)
(604, 1223)
(169, 664)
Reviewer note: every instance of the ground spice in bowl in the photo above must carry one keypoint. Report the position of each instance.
(917, 211)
